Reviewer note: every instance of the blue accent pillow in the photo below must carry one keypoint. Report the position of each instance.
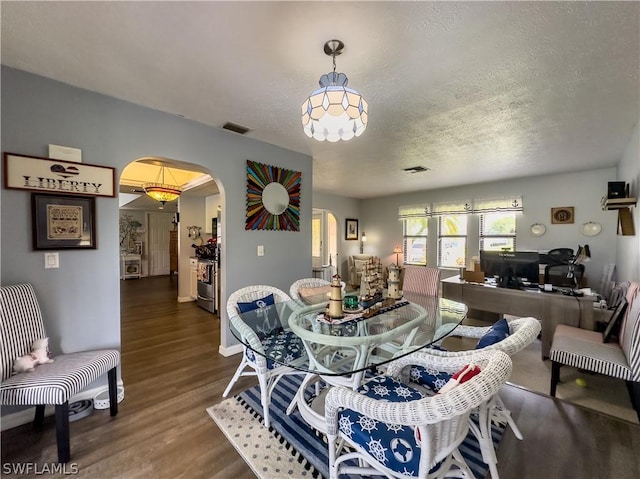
(261, 316)
(258, 303)
(497, 332)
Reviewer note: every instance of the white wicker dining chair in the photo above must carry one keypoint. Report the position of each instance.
(267, 371)
(301, 286)
(522, 332)
(393, 431)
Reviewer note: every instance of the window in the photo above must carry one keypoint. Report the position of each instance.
(498, 231)
(415, 241)
(452, 241)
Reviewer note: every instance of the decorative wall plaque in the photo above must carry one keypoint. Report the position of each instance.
(273, 198)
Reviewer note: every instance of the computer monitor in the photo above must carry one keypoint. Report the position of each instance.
(512, 268)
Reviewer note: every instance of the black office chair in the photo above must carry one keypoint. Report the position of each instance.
(563, 274)
(560, 255)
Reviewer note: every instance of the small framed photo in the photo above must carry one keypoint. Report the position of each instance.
(63, 222)
(562, 215)
(351, 229)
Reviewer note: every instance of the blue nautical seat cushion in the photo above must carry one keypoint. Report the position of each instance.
(280, 349)
(392, 445)
(430, 378)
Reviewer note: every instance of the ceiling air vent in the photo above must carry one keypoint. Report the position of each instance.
(235, 128)
(417, 169)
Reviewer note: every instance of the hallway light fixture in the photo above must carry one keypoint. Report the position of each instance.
(334, 112)
(161, 191)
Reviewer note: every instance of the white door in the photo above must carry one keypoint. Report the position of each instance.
(159, 226)
(324, 247)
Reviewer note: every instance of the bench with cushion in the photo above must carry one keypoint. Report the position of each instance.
(49, 384)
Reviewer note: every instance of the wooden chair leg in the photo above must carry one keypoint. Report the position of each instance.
(113, 391)
(555, 377)
(634, 394)
(38, 419)
(62, 432)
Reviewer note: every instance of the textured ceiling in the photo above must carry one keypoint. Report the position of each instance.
(474, 91)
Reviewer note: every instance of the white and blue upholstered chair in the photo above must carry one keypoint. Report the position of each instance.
(592, 351)
(397, 431)
(421, 280)
(49, 384)
(266, 370)
(516, 335)
(303, 290)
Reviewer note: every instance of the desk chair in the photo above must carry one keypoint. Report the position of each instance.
(562, 274)
(21, 324)
(387, 412)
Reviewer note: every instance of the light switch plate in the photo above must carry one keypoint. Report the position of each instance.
(260, 250)
(51, 260)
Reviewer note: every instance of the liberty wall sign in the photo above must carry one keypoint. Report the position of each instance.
(55, 176)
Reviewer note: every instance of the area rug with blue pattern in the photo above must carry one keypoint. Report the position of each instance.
(290, 447)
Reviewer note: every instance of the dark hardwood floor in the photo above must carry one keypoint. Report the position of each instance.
(172, 371)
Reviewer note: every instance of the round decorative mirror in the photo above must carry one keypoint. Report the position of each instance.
(275, 198)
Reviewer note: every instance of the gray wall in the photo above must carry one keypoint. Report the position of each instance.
(628, 258)
(583, 190)
(81, 300)
(343, 208)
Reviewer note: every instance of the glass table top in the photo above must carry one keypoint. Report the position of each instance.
(304, 338)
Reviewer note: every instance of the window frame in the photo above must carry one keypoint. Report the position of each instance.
(442, 236)
(406, 238)
(509, 236)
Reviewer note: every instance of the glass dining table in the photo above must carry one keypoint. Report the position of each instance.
(341, 351)
(361, 341)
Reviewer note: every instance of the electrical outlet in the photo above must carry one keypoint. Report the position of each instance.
(260, 250)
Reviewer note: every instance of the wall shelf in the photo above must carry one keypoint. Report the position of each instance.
(623, 207)
(617, 203)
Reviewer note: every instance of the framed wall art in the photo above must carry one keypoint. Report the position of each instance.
(60, 177)
(351, 229)
(63, 222)
(273, 198)
(562, 215)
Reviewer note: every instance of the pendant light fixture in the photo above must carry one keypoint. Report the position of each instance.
(334, 112)
(161, 191)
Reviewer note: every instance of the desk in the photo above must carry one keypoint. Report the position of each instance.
(550, 308)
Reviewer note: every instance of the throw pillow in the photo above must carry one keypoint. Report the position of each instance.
(614, 322)
(314, 295)
(467, 372)
(261, 316)
(258, 303)
(497, 332)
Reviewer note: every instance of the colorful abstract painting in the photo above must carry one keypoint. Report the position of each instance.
(259, 177)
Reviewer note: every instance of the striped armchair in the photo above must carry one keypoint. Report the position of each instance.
(587, 350)
(49, 384)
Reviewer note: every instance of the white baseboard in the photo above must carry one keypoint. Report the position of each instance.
(231, 350)
(26, 415)
(185, 299)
